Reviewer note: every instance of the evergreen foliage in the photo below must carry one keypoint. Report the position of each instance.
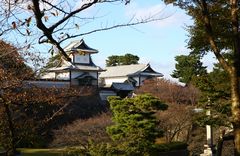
(214, 86)
(135, 126)
(53, 61)
(216, 29)
(187, 67)
(127, 59)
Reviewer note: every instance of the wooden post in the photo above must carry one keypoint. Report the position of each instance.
(209, 131)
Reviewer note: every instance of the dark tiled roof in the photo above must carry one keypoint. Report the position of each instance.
(122, 86)
(79, 46)
(84, 75)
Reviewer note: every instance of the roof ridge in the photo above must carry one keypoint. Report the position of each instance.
(76, 43)
(128, 65)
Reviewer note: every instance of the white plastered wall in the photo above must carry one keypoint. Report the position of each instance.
(142, 78)
(81, 58)
(50, 75)
(62, 76)
(109, 81)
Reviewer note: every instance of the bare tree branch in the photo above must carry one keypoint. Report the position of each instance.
(54, 20)
(114, 26)
(54, 6)
(83, 7)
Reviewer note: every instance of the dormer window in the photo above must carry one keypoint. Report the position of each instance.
(82, 59)
(80, 52)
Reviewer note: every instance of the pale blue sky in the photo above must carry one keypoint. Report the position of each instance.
(156, 43)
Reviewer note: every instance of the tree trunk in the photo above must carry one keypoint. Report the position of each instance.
(219, 147)
(233, 69)
(234, 76)
(235, 110)
(12, 148)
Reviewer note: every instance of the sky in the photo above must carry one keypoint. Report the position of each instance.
(156, 43)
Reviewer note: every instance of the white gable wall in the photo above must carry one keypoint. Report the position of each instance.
(62, 76)
(78, 58)
(50, 75)
(142, 78)
(136, 78)
(109, 80)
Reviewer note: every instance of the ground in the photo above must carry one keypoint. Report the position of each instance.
(41, 152)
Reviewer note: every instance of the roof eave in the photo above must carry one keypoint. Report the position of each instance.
(86, 69)
(112, 76)
(150, 74)
(92, 51)
(55, 70)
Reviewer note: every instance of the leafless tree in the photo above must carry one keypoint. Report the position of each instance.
(80, 132)
(177, 119)
(176, 122)
(24, 108)
(52, 21)
(170, 92)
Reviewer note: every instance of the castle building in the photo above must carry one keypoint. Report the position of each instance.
(80, 71)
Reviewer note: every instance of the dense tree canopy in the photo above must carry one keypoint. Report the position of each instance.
(214, 89)
(216, 29)
(12, 72)
(214, 85)
(135, 126)
(187, 67)
(12, 62)
(117, 60)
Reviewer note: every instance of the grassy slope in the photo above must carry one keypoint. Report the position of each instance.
(41, 152)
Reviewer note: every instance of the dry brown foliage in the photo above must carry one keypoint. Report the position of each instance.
(176, 122)
(80, 132)
(12, 72)
(27, 111)
(170, 92)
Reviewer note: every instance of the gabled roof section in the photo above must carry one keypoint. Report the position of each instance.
(85, 75)
(80, 46)
(77, 67)
(122, 86)
(147, 71)
(129, 70)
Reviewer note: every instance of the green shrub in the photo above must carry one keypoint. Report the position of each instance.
(135, 125)
(171, 146)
